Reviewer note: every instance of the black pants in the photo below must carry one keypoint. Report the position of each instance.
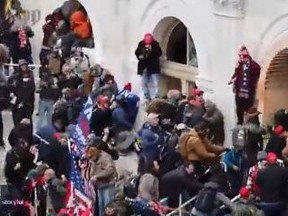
(19, 114)
(242, 105)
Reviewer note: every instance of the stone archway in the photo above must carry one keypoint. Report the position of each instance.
(180, 63)
(275, 86)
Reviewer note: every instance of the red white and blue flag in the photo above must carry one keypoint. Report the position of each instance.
(81, 192)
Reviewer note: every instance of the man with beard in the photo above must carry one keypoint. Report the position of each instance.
(245, 80)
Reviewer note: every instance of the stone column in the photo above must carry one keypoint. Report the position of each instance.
(228, 25)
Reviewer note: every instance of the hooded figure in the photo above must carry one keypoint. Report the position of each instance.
(215, 120)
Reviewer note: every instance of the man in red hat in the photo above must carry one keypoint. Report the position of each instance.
(277, 141)
(272, 182)
(245, 79)
(148, 53)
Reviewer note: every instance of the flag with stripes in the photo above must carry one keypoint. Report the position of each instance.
(81, 193)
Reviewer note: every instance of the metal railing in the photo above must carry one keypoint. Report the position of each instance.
(181, 206)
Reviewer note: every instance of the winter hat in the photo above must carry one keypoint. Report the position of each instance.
(128, 87)
(32, 174)
(243, 51)
(271, 157)
(148, 38)
(22, 62)
(279, 130)
(244, 193)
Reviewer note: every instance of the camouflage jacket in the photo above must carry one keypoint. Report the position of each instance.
(244, 208)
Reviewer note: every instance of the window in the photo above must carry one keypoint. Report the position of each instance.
(180, 47)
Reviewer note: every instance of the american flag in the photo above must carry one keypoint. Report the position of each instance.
(81, 193)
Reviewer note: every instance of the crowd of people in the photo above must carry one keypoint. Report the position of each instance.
(180, 145)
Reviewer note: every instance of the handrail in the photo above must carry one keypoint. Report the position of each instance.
(29, 65)
(233, 200)
(181, 206)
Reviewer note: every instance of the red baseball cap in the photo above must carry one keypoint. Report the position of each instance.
(197, 92)
(128, 86)
(271, 157)
(148, 38)
(279, 130)
(244, 193)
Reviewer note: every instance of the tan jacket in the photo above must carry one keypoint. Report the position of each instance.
(104, 170)
(193, 148)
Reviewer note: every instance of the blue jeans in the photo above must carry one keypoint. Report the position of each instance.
(105, 195)
(45, 111)
(150, 85)
(272, 209)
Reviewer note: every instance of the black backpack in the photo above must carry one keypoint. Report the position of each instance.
(205, 200)
(131, 187)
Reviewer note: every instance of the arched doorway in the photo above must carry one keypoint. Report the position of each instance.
(276, 86)
(181, 64)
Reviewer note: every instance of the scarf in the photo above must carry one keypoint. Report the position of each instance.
(22, 38)
(244, 83)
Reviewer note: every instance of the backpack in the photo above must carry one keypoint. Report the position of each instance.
(205, 200)
(131, 187)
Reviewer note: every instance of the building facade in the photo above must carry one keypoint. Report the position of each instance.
(200, 41)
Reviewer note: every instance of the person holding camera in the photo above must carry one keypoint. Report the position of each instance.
(148, 53)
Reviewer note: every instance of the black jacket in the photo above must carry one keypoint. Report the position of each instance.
(14, 156)
(151, 59)
(24, 91)
(272, 181)
(100, 119)
(276, 144)
(177, 181)
(4, 97)
(58, 159)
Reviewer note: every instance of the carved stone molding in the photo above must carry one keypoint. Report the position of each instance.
(229, 8)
